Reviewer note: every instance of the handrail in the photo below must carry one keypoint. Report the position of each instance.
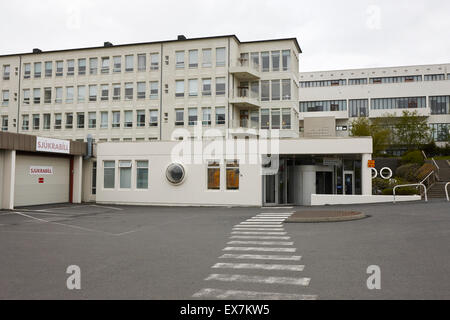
(429, 175)
(412, 185)
(424, 155)
(437, 167)
(446, 191)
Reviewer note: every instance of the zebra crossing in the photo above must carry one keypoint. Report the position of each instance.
(258, 246)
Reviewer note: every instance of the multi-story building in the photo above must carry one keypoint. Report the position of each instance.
(348, 94)
(146, 91)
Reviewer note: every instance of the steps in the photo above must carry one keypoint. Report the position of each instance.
(444, 170)
(437, 191)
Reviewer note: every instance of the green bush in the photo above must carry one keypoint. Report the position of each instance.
(408, 172)
(413, 157)
(406, 191)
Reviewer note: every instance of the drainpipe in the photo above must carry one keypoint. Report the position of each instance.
(18, 95)
(161, 95)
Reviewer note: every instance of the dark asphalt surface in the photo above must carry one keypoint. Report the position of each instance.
(166, 253)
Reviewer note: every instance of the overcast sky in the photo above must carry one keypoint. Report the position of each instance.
(333, 34)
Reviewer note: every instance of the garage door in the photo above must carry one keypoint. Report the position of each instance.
(41, 180)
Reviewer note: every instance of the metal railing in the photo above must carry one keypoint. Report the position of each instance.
(446, 190)
(412, 185)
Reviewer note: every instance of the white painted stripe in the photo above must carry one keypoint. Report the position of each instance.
(260, 237)
(270, 219)
(258, 229)
(262, 233)
(257, 226)
(267, 222)
(274, 215)
(262, 243)
(259, 279)
(275, 267)
(250, 295)
(272, 208)
(260, 257)
(261, 249)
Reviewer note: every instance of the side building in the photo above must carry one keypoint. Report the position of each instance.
(349, 94)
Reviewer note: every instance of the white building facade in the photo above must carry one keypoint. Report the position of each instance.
(349, 94)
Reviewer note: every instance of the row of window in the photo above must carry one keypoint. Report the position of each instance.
(360, 107)
(141, 168)
(141, 118)
(440, 132)
(274, 61)
(378, 80)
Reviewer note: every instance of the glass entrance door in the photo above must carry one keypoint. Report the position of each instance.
(349, 182)
(270, 194)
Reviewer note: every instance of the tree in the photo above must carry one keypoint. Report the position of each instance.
(412, 131)
(363, 127)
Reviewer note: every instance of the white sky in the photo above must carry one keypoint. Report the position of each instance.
(333, 34)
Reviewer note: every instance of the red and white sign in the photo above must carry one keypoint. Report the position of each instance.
(52, 145)
(40, 171)
(41, 180)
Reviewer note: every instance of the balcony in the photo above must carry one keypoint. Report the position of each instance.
(245, 70)
(245, 99)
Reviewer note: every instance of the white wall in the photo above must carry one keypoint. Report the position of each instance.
(322, 200)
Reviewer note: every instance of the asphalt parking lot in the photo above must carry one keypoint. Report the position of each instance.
(129, 252)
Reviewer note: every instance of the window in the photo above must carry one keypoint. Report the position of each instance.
(434, 77)
(81, 94)
(265, 119)
(6, 72)
(58, 95)
(179, 58)
(128, 119)
(359, 108)
(286, 56)
(179, 117)
(116, 119)
(193, 88)
(58, 121)
(25, 122)
(440, 105)
(154, 61)
(254, 56)
(192, 116)
(153, 118)
(276, 61)
(117, 64)
(104, 120)
(213, 175)
(141, 174)
(193, 58)
(47, 95)
(179, 88)
(323, 106)
(36, 121)
(37, 69)
(265, 61)
(206, 58)
(206, 115)
(46, 121)
(398, 103)
(109, 174)
(220, 115)
(70, 67)
(129, 63)
(440, 132)
(69, 120)
(4, 123)
(5, 97)
(69, 94)
(286, 88)
(286, 119)
(92, 93)
(265, 90)
(92, 120)
(80, 120)
(93, 65)
(94, 178)
(37, 96)
(81, 67)
(140, 118)
(353, 82)
(275, 90)
(275, 119)
(105, 92)
(141, 90)
(27, 70)
(206, 87)
(26, 96)
(220, 86)
(59, 68)
(129, 91)
(232, 175)
(142, 62)
(154, 90)
(105, 65)
(398, 79)
(116, 91)
(220, 57)
(48, 69)
(254, 119)
(125, 174)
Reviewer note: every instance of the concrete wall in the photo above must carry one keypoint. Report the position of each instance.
(321, 200)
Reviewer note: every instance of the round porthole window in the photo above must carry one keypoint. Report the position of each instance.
(175, 173)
